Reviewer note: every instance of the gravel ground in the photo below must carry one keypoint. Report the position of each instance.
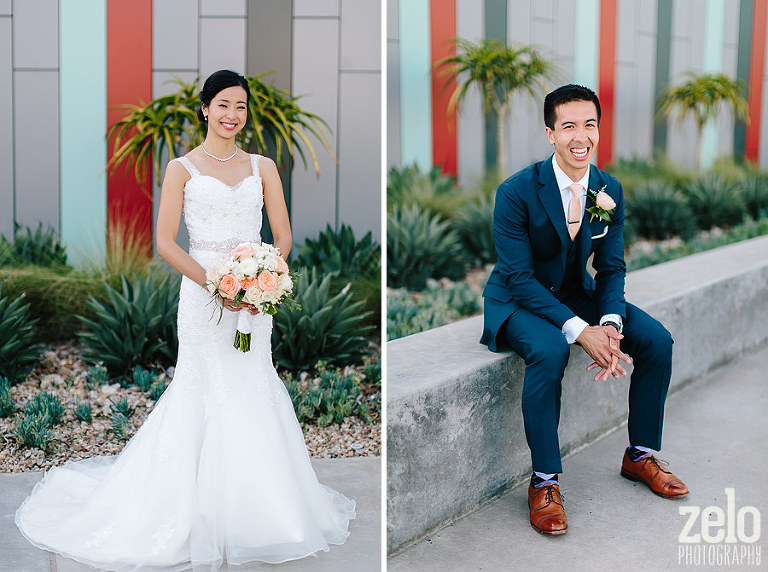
(63, 373)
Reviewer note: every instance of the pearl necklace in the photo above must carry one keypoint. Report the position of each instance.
(215, 157)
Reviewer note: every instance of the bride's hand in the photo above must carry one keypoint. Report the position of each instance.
(232, 306)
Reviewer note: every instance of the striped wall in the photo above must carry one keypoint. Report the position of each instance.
(627, 50)
(66, 64)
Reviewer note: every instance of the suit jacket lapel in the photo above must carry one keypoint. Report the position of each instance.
(549, 195)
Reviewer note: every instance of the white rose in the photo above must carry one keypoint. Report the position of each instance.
(249, 266)
(284, 283)
(253, 296)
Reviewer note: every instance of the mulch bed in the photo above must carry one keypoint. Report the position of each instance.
(63, 372)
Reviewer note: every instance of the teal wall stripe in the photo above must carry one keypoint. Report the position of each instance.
(742, 70)
(663, 46)
(415, 93)
(585, 43)
(713, 63)
(495, 29)
(83, 124)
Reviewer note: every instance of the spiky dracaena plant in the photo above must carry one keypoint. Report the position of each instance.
(18, 350)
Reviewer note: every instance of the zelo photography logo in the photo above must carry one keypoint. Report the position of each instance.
(716, 536)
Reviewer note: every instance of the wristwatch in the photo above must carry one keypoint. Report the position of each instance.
(614, 324)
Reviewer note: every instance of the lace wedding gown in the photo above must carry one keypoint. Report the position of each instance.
(219, 471)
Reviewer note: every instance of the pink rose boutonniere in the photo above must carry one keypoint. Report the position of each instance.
(603, 205)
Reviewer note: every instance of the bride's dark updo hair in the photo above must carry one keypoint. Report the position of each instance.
(216, 82)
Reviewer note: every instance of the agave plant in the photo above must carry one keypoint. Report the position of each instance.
(18, 350)
(420, 246)
(134, 327)
(328, 327)
(41, 247)
(340, 251)
(715, 201)
(170, 123)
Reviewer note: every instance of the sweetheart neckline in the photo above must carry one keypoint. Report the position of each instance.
(222, 182)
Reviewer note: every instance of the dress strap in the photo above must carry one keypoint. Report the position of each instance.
(255, 165)
(188, 165)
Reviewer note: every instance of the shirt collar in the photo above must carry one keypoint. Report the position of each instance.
(564, 181)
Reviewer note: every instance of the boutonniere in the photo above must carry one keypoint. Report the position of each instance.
(603, 205)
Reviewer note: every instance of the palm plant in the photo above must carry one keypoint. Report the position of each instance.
(703, 96)
(168, 122)
(276, 121)
(499, 72)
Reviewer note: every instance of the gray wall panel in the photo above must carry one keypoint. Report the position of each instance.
(471, 134)
(360, 153)
(543, 9)
(37, 153)
(360, 35)
(162, 81)
(222, 7)
(394, 149)
(315, 73)
(565, 32)
(5, 8)
(174, 34)
(6, 129)
(36, 34)
(270, 41)
(519, 21)
(393, 22)
(222, 45)
(315, 8)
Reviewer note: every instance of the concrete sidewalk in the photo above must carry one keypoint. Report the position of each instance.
(714, 439)
(357, 478)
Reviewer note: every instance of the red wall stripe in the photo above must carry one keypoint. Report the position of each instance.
(756, 72)
(129, 80)
(607, 76)
(442, 15)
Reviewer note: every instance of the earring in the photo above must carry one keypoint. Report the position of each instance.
(205, 118)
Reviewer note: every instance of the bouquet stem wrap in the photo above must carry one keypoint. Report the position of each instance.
(243, 333)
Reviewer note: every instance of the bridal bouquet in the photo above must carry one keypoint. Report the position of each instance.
(255, 273)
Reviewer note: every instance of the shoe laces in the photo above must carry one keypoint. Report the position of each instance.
(657, 463)
(549, 495)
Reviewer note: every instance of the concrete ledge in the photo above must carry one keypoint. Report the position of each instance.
(455, 434)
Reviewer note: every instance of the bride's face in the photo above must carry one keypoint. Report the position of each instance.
(228, 112)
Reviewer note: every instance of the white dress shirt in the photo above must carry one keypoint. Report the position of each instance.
(573, 327)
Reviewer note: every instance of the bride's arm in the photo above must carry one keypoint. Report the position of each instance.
(168, 219)
(274, 203)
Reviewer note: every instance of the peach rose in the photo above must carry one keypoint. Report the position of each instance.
(604, 201)
(242, 251)
(281, 265)
(249, 282)
(267, 281)
(229, 286)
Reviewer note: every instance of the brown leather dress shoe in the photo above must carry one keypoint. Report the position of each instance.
(648, 470)
(546, 509)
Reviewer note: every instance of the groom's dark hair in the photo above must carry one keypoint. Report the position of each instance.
(566, 94)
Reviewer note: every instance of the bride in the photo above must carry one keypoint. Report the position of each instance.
(219, 472)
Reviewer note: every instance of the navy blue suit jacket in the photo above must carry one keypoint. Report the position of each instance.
(531, 236)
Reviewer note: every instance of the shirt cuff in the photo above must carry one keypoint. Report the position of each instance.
(572, 328)
(612, 318)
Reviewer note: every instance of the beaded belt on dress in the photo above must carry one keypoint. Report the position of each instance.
(216, 245)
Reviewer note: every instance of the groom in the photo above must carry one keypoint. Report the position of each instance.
(539, 299)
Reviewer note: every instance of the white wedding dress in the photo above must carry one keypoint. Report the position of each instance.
(219, 472)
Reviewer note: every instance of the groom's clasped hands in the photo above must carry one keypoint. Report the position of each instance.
(601, 343)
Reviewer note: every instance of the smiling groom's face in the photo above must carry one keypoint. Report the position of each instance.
(575, 136)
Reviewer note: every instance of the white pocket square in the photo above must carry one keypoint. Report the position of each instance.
(605, 231)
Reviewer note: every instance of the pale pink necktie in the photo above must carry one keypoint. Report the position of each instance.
(574, 210)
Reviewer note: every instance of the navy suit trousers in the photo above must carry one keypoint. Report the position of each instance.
(543, 347)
